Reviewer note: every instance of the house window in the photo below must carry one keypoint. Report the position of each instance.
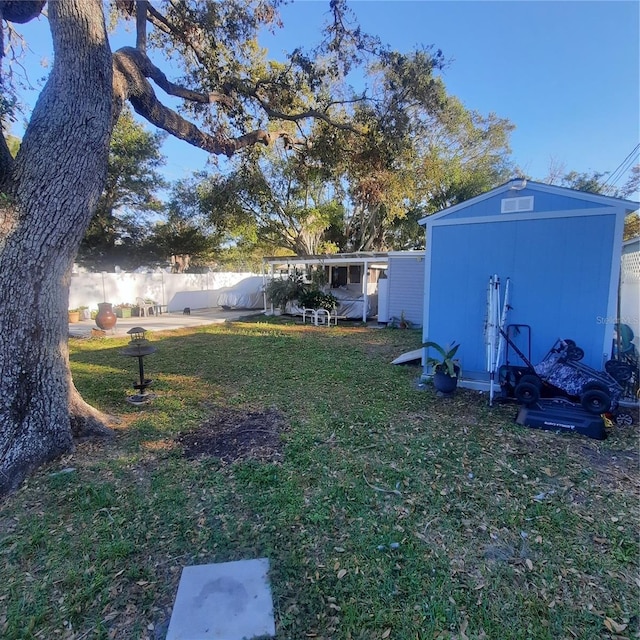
(355, 274)
(516, 205)
(339, 277)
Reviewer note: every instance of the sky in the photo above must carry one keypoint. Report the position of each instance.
(565, 73)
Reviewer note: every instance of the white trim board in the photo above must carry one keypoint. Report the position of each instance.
(543, 215)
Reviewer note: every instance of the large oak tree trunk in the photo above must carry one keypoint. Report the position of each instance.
(46, 205)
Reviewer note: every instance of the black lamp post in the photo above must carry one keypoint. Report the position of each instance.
(139, 347)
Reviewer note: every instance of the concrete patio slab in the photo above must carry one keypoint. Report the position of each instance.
(224, 601)
(162, 322)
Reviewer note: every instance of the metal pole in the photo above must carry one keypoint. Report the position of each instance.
(503, 321)
(493, 328)
(365, 284)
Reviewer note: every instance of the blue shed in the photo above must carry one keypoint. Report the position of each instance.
(559, 247)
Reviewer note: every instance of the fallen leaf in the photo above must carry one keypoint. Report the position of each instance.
(529, 564)
(386, 633)
(342, 573)
(614, 626)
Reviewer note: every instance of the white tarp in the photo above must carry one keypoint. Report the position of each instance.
(247, 294)
(350, 304)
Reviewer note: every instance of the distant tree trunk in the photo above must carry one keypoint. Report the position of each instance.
(48, 198)
(180, 263)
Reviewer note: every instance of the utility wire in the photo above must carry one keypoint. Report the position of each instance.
(621, 169)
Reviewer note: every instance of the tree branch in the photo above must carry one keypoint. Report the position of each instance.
(141, 24)
(302, 115)
(6, 163)
(130, 83)
(159, 21)
(163, 24)
(21, 11)
(144, 65)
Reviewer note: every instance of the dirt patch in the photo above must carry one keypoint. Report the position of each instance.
(611, 463)
(236, 435)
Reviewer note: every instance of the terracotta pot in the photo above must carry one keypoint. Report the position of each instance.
(105, 319)
(74, 316)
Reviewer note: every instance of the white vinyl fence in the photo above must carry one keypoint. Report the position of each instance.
(630, 287)
(173, 290)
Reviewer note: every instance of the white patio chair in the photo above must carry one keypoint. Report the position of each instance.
(145, 308)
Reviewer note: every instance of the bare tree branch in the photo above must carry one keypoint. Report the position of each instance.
(141, 24)
(158, 20)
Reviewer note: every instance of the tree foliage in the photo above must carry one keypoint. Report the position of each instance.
(417, 151)
(118, 230)
(188, 238)
(275, 198)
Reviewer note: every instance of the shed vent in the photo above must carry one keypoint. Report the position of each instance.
(514, 205)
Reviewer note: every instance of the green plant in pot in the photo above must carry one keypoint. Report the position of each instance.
(446, 369)
(124, 310)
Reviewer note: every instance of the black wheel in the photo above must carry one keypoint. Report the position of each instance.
(595, 385)
(574, 353)
(624, 419)
(527, 392)
(531, 379)
(595, 401)
(620, 371)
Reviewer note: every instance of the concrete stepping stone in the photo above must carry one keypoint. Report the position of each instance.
(224, 601)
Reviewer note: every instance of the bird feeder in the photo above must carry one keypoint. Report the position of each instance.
(139, 347)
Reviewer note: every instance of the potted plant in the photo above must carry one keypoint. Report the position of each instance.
(123, 310)
(74, 315)
(399, 323)
(446, 370)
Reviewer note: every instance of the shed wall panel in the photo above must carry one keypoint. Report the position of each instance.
(560, 271)
(406, 287)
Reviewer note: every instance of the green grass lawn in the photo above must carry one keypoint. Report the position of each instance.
(386, 512)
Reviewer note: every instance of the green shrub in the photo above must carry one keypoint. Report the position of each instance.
(318, 300)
